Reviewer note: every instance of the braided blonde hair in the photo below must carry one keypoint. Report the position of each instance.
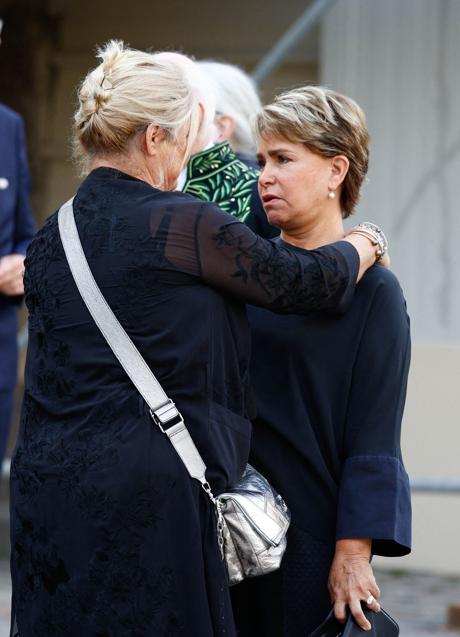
(125, 93)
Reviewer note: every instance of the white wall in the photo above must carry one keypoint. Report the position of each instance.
(235, 32)
(400, 60)
(431, 447)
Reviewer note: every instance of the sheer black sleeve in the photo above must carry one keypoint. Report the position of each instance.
(226, 254)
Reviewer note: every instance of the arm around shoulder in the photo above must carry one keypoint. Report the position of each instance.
(261, 272)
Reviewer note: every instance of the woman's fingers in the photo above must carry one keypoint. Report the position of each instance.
(385, 260)
(341, 608)
(340, 611)
(358, 615)
(372, 603)
(352, 586)
(373, 587)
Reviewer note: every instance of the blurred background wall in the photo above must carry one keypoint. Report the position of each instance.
(399, 59)
(49, 45)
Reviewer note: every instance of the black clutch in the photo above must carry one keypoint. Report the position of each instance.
(382, 626)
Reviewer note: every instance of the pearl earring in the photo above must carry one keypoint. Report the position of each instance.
(331, 194)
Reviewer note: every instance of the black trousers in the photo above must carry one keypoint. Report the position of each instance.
(292, 601)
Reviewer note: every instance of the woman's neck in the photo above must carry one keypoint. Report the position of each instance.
(123, 164)
(317, 234)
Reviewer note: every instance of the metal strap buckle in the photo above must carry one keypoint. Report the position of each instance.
(166, 414)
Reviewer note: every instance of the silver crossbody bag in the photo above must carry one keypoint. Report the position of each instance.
(252, 519)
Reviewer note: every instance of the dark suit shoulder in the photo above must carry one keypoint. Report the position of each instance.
(7, 115)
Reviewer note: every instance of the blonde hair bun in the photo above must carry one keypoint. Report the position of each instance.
(126, 92)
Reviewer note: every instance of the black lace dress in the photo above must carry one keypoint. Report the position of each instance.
(109, 535)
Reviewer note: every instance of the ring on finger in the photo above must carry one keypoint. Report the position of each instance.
(370, 600)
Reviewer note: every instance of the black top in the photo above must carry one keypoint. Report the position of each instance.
(109, 533)
(330, 391)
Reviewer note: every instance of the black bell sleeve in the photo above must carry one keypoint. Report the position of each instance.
(374, 495)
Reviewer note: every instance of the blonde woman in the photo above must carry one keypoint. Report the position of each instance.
(330, 387)
(109, 534)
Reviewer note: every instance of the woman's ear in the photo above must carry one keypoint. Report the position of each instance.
(339, 169)
(226, 127)
(153, 136)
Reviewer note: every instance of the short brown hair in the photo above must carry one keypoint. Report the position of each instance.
(328, 123)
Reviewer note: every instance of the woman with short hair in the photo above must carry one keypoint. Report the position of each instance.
(109, 534)
(330, 386)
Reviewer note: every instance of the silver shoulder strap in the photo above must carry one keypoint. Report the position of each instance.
(162, 409)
